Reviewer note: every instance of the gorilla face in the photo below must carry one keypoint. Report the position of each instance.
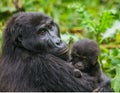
(37, 33)
(85, 54)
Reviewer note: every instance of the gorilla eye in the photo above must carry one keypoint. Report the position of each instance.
(49, 26)
(41, 32)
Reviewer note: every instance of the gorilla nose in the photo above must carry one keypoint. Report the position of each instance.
(58, 42)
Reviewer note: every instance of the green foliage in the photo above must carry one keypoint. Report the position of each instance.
(105, 21)
(6, 6)
(109, 58)
(116, 80)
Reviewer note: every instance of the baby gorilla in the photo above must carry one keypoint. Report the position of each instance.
(84, 57)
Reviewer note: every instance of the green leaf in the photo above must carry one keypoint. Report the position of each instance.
(116, 80)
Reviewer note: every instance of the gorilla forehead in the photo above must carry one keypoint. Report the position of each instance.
(31, 18)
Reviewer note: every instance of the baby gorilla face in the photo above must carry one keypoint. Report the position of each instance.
(80, 62)
(85, 54)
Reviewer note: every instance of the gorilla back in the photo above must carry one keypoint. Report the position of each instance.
(30, 42)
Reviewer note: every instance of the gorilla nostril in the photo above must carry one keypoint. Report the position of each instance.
(58, 42)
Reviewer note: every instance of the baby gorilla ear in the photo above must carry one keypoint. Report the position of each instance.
(94, 60)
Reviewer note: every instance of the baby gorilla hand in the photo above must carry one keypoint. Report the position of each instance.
(77, 73)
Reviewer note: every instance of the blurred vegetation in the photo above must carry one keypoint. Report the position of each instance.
(94, 19)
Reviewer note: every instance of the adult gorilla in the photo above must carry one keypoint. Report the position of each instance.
(30, 42)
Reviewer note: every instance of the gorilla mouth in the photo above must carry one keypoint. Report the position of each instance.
(63, 51)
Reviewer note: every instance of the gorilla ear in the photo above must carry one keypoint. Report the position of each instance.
(18, 40)
(95, 60)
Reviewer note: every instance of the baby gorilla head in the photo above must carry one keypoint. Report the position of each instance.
(85, 54)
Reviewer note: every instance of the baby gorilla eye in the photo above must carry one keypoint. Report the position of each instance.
(85, 59)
